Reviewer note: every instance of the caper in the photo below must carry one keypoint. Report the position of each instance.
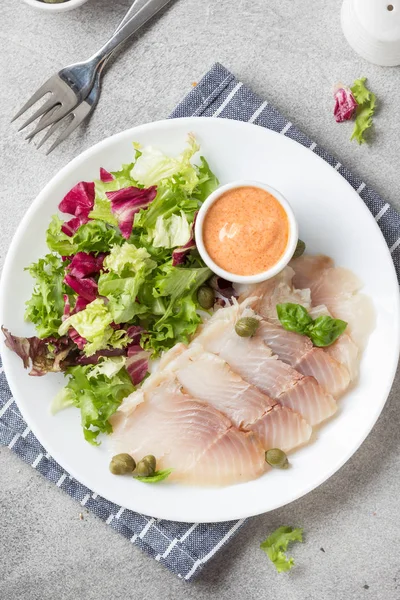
(146, 467)
(300, 249)
(121, 464)
(277, 458)
(205, 297)
(247, 326)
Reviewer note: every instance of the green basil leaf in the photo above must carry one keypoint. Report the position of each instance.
(294, 317)
(158, 476)
(325, 330)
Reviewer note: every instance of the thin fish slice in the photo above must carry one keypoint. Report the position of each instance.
(192, 438)
(235, 457)
(308, 268)
(346, 352)
(336, 288)
(289, 346)
(282, 428)
(267, 294)
(172, 426)
(299, 352)
(333, 376)
(211, 380)
(254, 362)
(309, 399)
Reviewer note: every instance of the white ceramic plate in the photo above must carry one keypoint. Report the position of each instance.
(332, 220)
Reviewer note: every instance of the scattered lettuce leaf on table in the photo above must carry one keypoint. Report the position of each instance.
(276, 545)
(366, 101)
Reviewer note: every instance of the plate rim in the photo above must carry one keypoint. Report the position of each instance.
(137, 130)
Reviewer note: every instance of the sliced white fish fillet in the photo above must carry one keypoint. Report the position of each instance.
(299, 352)
(346, 352)
(337, 289)
(310, 400)
(282, 428)
(235, 457)
(183, 433)
(267, 294)
(211, 380)
(255, 363)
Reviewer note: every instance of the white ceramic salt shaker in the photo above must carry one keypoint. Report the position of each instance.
(372, 28)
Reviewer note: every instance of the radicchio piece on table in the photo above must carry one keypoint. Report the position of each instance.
(105, 176)
(84, 264)
(36, 352)
(345, 104)
(87, 287)
(179, 254)
(223, 287)
(137, 363)
(125, 203)
(78, 202)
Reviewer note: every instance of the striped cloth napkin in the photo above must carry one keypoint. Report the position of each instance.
(185, 548)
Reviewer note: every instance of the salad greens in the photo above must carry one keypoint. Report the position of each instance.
(366, 101)
(276, 545)
(322, 331)
(120, 282)
(97, 390)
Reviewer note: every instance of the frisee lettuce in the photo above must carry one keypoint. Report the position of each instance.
(46, 306)
(97, 391)
(366, 101)
(276, 545)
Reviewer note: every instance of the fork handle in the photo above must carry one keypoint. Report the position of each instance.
(144, 14)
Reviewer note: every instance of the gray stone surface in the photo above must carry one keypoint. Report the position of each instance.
(291, 52)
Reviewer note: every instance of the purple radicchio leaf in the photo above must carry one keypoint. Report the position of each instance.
(105, 176)
(345, 104)
(125, 203)
(40, 355)
(137, 363)
(179, 254)
(78, 202)
(84, 264)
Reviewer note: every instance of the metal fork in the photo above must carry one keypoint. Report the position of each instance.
(83, 110)
(70, 86)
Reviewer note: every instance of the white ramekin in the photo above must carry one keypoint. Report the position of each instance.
(282, 262)
(55, 8)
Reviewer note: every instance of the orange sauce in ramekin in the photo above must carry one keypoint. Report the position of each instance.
(246, 231)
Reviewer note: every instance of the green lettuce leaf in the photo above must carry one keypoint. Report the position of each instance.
(207, 183)
(128, 268)
(366, 101)
(152, 167)
(93, 324)
(171, 232)
(276, 545)
(46, 306)
(97, 391)
(94, 236)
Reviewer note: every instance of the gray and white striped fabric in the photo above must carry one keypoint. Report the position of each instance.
(184, 548)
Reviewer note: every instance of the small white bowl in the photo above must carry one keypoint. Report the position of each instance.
(55, 8)
(282, 262)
